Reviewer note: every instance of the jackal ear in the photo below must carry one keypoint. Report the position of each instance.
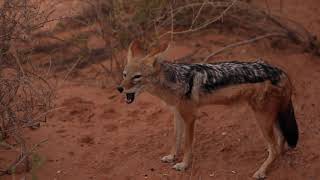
(135, 50)
(154, 63)
(158, 51)
(156, 55)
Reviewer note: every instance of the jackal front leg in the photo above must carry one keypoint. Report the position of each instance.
(176, 142)
(189, 119)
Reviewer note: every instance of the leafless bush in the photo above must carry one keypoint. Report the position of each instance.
(152, 20)
(120, 21)
(25, 95)
(240, 17)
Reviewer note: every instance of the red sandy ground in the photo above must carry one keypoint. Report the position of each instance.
(96, 135)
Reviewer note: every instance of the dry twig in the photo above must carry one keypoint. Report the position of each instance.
(247, 41)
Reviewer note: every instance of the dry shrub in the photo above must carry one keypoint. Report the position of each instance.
(237, 16)
(25, 94)
(152, 21)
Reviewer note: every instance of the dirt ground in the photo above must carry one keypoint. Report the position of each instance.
(95, 135)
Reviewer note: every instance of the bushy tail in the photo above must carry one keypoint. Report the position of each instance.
(288, 125)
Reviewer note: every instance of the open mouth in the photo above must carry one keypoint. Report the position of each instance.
(130, 98)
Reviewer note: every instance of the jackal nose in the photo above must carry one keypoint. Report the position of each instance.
(120, 89)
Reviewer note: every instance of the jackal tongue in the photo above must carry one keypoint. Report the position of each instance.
(130, 98)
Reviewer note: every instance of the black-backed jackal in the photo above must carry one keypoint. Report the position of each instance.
(186, 87)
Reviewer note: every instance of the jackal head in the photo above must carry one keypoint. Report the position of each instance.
(139, 69)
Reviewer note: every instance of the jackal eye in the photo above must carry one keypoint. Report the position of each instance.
(137, 76)
(124, 74)
(136, 79)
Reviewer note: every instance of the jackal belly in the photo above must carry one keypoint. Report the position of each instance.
(256, 94)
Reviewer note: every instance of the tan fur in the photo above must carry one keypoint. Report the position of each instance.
(264, 98)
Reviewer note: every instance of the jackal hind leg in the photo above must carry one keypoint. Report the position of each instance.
(176, 141)
(266, 121)
(280, 138)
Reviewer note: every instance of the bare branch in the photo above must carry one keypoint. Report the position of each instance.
(211, 21)
(248, 41)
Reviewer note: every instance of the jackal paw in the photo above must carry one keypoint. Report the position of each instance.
(259, 175)
(168, 159)
(180, 166)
